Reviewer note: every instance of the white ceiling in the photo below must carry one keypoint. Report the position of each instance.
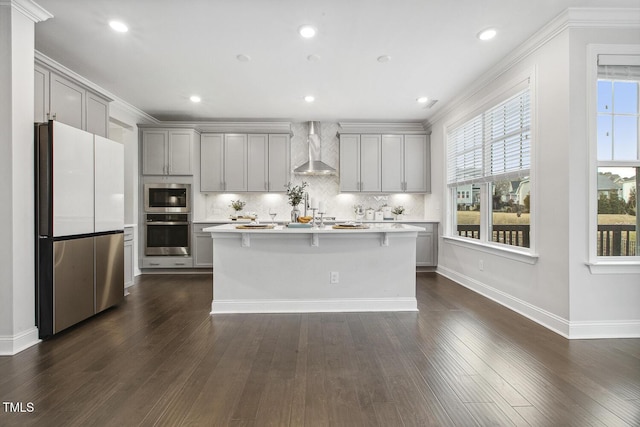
(175, 49)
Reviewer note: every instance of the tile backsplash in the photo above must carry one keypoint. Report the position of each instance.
(320, 188)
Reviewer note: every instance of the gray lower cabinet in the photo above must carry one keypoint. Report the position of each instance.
(167, 262)
(427, 245)
(202, 246)
(129, 255)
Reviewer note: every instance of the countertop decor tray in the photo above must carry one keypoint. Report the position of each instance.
(254, 226)
(350, 226)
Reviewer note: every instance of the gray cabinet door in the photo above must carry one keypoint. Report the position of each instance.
(350, 163)
(180, 152)
(257, 162)
(67, 101)
(235, 162)
(279, 162)
(417, 174)
(212, 162)
(41, 94)
(97, 115)
(392, 163)
(203, 248)
(370, 157)
(154, 152)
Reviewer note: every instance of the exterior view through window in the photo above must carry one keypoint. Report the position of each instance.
(618, 160)
(488, 166)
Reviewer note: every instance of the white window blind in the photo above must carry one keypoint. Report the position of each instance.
(494, 145)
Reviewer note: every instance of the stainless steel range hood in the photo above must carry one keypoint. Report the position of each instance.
(314, 166)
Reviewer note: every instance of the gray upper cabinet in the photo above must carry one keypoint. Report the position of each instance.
(211, 162)
(406, 164)
(417, 161)
(392, 163)
(167, 152)
(279, 162)
(388, 163)
(41, 87)
(97, 115)
(258, 162)
(235, 162)
(67, 102)
(244, 162)
(360, 157)
(59, 98)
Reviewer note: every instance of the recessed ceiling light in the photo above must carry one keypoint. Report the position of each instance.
(307, 31)
(195, 98)
(118, 26)
(487, 34)
(422, 100)
(243, 58)
(309, 98)
(384, 58)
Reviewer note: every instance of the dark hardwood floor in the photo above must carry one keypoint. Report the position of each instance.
(161, 359)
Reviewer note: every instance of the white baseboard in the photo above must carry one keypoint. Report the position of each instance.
(314, 306)
(608, 329)
(10, 345)
(568, 329)
(549, 320)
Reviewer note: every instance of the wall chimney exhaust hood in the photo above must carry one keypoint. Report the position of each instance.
(314, 166)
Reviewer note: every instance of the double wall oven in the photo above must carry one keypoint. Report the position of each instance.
(167, 228)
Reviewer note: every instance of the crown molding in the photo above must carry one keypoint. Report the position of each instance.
(42, 59)
(28, 8)
(382, 127)
(227, 126)
(571, 18)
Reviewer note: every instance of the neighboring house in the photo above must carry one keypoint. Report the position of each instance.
(523, 190)
(468, 196)
(628, 184)
(607, 186)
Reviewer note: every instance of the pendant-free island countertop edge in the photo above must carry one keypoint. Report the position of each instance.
(327, 229)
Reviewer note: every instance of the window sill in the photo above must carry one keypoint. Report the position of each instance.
(501, 250)
(614, 267)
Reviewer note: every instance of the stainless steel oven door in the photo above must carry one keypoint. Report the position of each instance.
(175, 198)
(167, 236)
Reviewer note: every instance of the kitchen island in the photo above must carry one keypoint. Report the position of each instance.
(281, 269)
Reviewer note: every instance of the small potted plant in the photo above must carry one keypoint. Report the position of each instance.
(398, 211)
(295, 194)
(237, 206)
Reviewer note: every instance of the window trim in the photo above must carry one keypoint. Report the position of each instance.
(496, 96)
(601, 264)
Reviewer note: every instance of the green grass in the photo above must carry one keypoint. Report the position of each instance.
(473, 217)
(616, 219)
(501, 218)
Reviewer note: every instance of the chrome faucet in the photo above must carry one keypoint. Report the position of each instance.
(306, 203)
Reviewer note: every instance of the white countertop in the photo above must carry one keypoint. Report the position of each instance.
(380, 227)
(267, 221)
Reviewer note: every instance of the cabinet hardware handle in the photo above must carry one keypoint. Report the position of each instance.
(54, 116)
(179, 263)
(154, 263)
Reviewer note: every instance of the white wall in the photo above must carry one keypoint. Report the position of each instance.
(558, 290)
(17, 275)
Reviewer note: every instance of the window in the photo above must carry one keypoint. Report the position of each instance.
(618, 156)
(488, 173)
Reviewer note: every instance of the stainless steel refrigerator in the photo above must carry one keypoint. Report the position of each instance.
(79, 225)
